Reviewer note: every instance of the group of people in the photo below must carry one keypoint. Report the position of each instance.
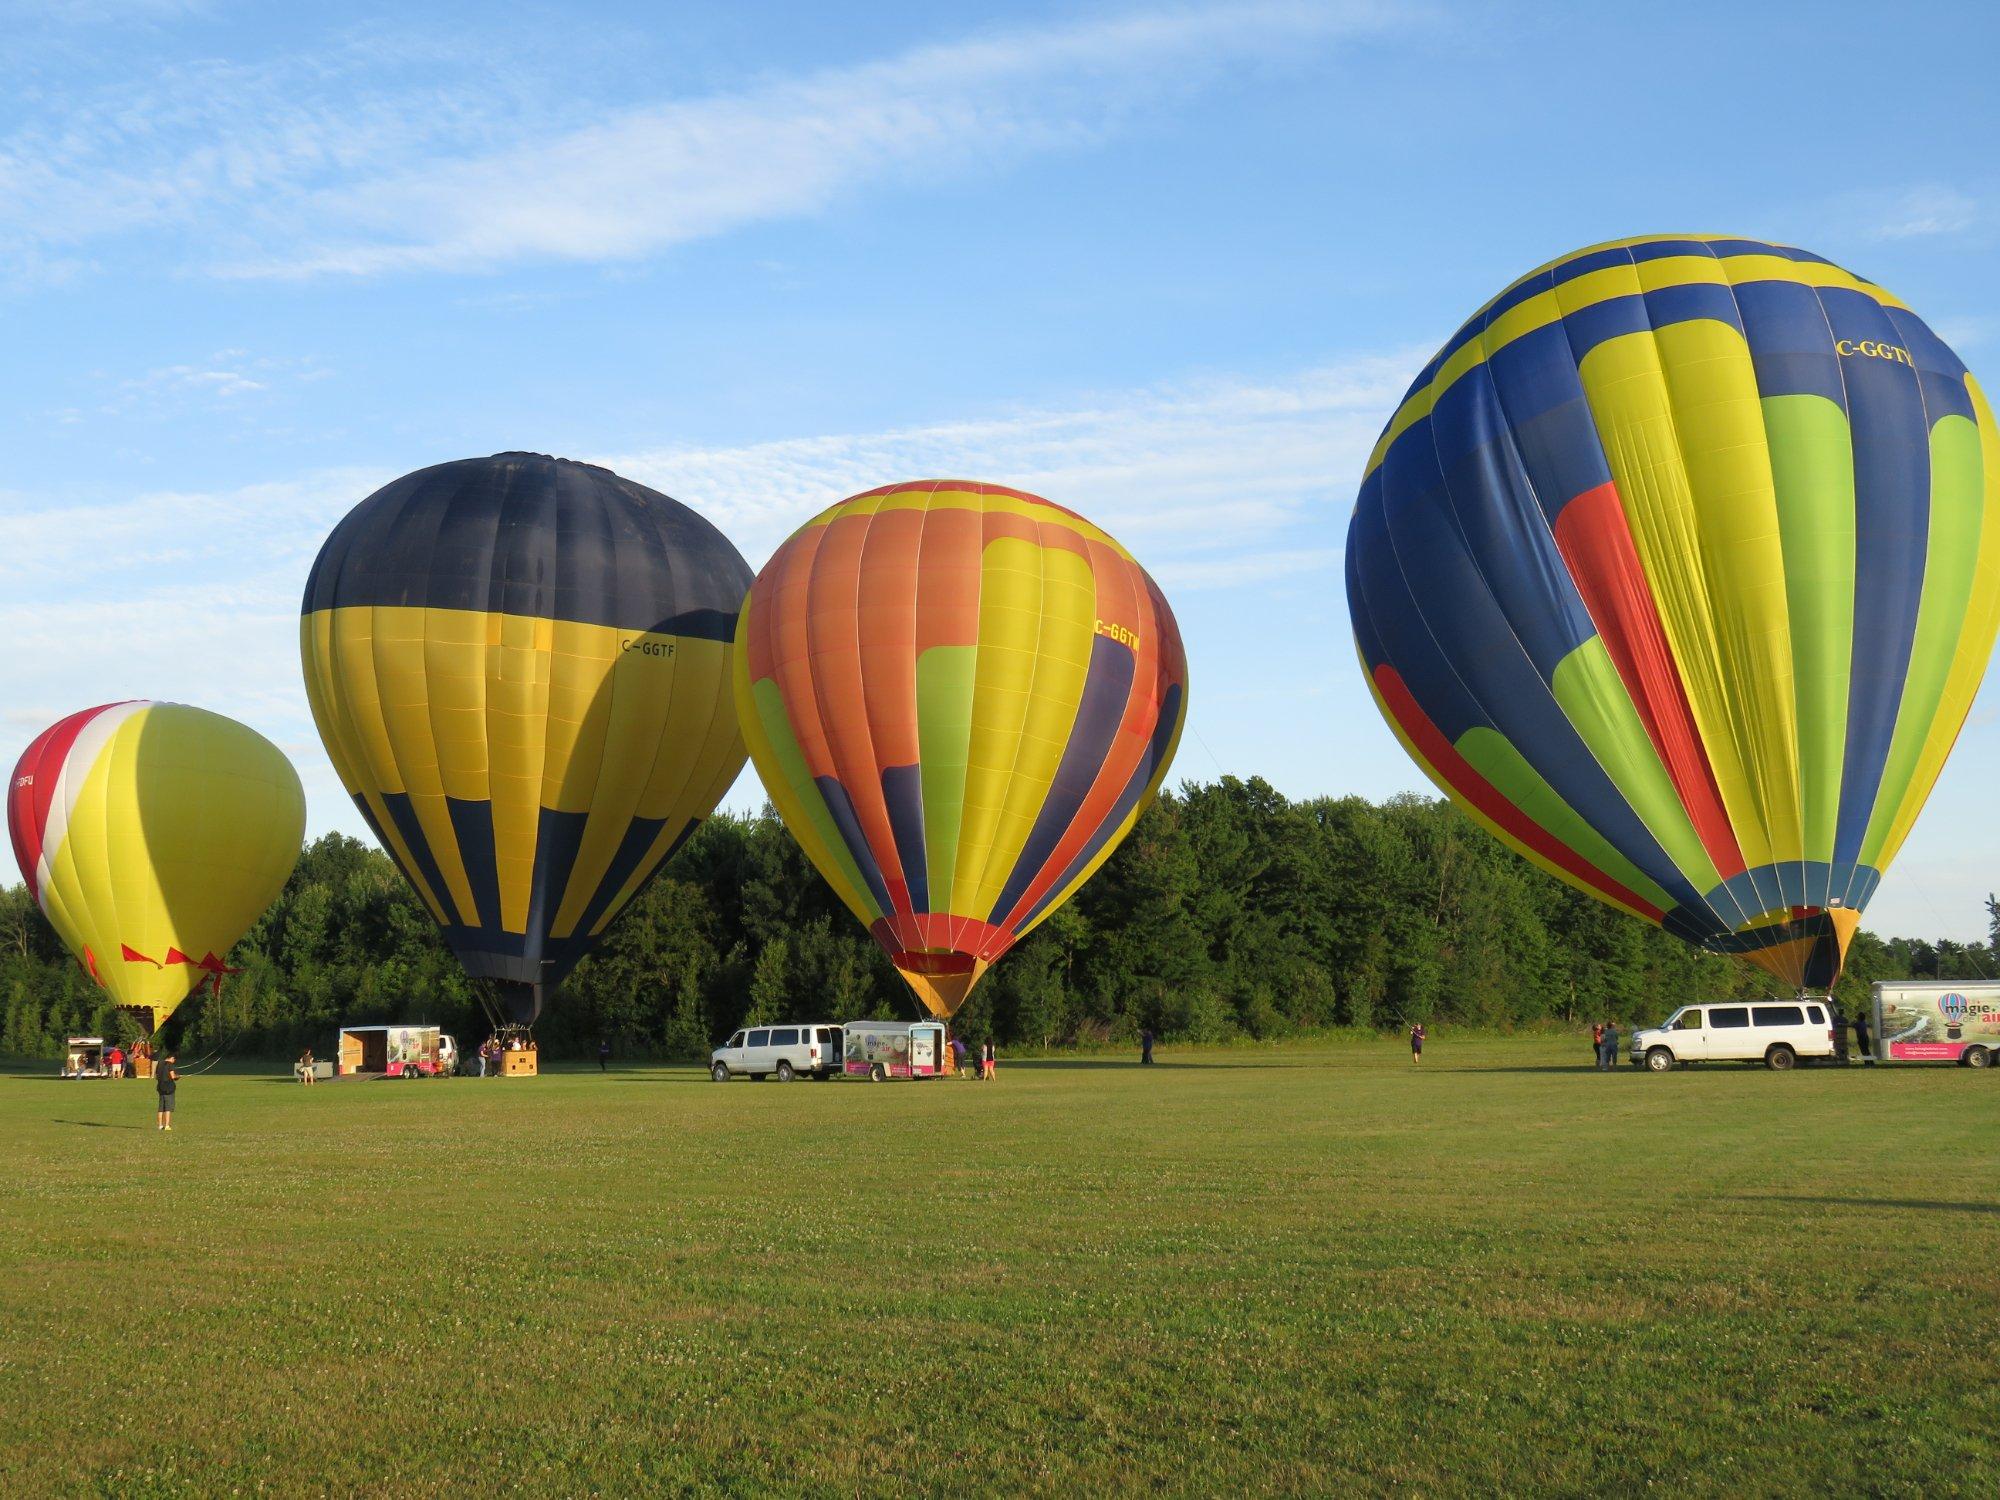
(959, 1053)
(1859, 1025)
(118, 1063)
(493, 1051)
(1604, 1045)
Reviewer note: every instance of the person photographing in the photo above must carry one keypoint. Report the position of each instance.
(165, 1076)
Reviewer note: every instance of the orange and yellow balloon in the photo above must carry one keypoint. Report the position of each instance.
(153, 835)
(960, 698)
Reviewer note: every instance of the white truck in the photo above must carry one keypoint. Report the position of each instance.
(1938, 1021)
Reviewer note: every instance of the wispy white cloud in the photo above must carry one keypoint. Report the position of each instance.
(194, 595)
(1201, 479)
(684, 170)
(1927, 210)
(220, 379)
(366, 159)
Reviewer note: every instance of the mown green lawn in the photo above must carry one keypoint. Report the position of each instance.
(1262, 1270)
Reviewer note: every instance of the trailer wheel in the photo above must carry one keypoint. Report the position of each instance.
(720, 1072)
(785, 1074)
(1977, 1057)
(1660, 1060)
(878, 1074)
(1780, 1058)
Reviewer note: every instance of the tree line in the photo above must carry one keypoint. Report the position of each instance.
(1231, 912)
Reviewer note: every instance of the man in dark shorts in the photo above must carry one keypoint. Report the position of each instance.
(1417, 1042)
(1861, 1038)
(1146, 1046)
(164, 1079)
(603, 1053)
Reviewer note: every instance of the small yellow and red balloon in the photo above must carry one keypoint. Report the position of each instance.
(153, 835)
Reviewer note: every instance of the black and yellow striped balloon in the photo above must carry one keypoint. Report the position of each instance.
(520, 666)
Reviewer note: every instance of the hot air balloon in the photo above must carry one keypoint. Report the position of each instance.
(153, 835)
(960, 698)
(520, 668)
(1677, 569)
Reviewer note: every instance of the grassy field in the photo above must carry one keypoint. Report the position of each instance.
(1269, 1270)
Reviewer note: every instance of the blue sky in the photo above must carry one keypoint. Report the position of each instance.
(1171, 265)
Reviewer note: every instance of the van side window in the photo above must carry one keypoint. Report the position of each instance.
(759, 1039)
(1690, 1021)
(735, 1041)
(1729, 1015)
(1818, 1015)
(1778, 1015)
(788, 1037)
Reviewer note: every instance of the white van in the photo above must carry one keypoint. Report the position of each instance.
(781, 1052)
(1776, 1033)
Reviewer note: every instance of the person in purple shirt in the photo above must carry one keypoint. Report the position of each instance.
(1417, 1042)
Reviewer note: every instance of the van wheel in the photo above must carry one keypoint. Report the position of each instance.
(878, 1074)
(720, 1072)
(1660, 1060)
(785, 1074)
(1780, 1058)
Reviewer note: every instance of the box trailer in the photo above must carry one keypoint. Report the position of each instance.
(881, 1050)
(1938, 1021)
(394, 1051)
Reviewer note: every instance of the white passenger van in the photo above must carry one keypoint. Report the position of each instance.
(780, 1052)
(1776, 1033)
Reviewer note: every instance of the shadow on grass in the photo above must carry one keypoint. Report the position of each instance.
(1086, 1064)
(1933, 1205)
(97, 1125)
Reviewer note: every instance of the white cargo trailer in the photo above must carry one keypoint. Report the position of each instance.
(1938, 1021)
(881, 1050)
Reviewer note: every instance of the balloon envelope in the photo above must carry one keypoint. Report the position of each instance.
(520, 668)
(153, 835)
(1678, 568)
(960, 697)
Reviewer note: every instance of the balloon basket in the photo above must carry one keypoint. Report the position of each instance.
(521, 1062)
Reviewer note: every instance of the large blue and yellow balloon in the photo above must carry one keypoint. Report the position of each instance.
(520, 666)
(1678, 569)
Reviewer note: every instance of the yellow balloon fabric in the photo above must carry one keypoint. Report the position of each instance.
(153, 835)
(520, 668)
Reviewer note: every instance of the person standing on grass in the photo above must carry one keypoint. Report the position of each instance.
(1861, 1039)
(957, 1054)
(1597, 1042)
(986, 1059)
(1607, 1053)
(603, 1053)
(1146, 1047)
(164, 1078)
(1837, 1024)
(1417, 1035)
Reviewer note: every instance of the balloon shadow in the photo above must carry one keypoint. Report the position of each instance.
(1093, 1064)
(96, 1125)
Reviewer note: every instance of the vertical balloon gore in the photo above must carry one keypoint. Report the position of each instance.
(960, 698)
(1677, 569)
(153, 835)
(520, 668)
